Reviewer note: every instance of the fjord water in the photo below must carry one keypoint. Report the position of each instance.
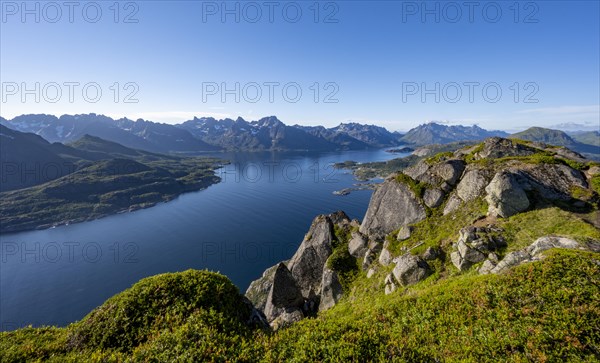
(255, 217)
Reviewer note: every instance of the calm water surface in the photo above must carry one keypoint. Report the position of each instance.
(254, 218)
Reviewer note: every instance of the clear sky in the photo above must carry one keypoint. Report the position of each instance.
(380, 62)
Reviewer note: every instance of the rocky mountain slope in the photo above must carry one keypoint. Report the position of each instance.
(489, 253)
(506, 177)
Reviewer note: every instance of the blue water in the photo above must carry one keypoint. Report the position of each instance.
(255, 217)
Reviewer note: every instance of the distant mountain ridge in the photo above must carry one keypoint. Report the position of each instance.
(433, 133)
(208, 134)
(560, 138)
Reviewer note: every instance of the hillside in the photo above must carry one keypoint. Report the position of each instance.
(97, 178)
(560, 138)
(589, 138)
(488, 253)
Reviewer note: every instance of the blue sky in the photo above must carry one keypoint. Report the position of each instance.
(374, 58)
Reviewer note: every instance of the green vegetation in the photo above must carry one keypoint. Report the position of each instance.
(103, 188)
(417, 187)
(542, 311)
(523, 228)
(595, 183)
(439, 157)
(341, 261)
(439, 230)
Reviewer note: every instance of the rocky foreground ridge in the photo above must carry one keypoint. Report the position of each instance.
(480, 186)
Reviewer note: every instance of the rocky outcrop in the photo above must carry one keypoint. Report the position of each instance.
(496, 147)
(505, 196)
(410, 269)
(284, 296)
(474, 245)
(472, 184)
(303, 285)
(433, 198)
(392, 206)
(437, 174)
(309, 260)
(528, 254)
(259, 289)
(552, 181)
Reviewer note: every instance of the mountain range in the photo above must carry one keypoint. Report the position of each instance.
(208, 134)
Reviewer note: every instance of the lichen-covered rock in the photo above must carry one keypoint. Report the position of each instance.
(371, 254)
(510, 260)
(307, 263)
(448, 171)
(385, 257)
(390, 284)
(505, 196)
(392, 206)
(357, 246)
(533, 251)
(433, 197)
(472, 185)
(452, 204)
(284, 296)
(474, 245)
(410, 269)
(552, 181)
(331, 290)
(404, 233)
(496, 147)
(431, 253)
(545, 243)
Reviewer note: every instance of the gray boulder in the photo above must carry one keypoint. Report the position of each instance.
(474, 245)
(472, 184)
(410, 269)
(307, 263)
(385, 257)
(545, 243)
(284, 296)
(505, 196)
(532, 252)
(553, 181)
(431, 253)
(331, 289)
(453, 204)
(510, 260)
(404, 233)
(390, 284)
(357, 246)
(393, 205)
(433, 198)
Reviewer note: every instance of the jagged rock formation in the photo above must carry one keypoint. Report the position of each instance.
(304, 284)
(475, 245)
